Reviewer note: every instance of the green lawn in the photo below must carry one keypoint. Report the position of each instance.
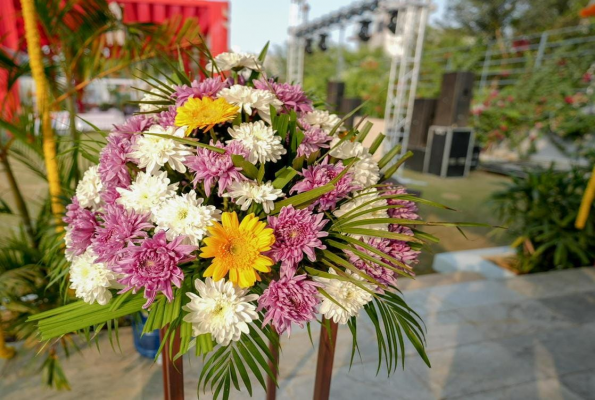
(470, 197)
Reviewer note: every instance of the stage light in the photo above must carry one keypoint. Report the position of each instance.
(322, 42)
(364, 30)
(392, 24)
(308, 47)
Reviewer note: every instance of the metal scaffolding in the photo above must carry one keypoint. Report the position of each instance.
(404, 44)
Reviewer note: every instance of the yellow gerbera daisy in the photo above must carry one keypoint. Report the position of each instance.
(205, 113)
(237, 248)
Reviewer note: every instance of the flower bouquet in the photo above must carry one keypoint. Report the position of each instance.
(232, 210)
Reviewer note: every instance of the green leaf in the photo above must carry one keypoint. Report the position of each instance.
(263, 52)
(389, 156)
(248, 169)
(379, 233)
(302, 198)
(242, 371)
(346, 117)
(260, 175)
(376, 143)
(187, 141)
(283, 177)
(391, 171)
(364, 132)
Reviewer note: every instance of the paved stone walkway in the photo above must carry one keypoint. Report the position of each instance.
(529, 337)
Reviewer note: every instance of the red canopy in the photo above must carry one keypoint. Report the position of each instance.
(213, 17)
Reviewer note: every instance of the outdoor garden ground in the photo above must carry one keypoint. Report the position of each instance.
(527, 337)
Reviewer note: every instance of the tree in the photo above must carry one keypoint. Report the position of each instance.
(482, 17)
(541, 15)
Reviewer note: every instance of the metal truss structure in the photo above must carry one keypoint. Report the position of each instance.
(404, 44)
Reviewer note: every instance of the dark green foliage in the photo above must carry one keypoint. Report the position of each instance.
(540, 210)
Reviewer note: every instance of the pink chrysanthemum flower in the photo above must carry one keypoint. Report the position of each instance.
(292, 96)
(209, 88)
(400, 249)
(136, 124)
(168, 118)
(211, 167)
(297, 232)
(321, 174)
(382, 274)
(407, 209)
(154, 266)
(110, 195)
(81, 228)
(120, 228)
(113, 158)
(291, 299)
(315, 138)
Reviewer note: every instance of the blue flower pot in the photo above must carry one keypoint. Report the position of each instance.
(147, 344)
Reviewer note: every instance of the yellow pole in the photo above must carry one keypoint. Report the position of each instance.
(41, 85)
(5, 351)
(586, 203)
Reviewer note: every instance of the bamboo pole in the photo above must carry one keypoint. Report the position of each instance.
(586, 203)
(41, 86)
(5, 351)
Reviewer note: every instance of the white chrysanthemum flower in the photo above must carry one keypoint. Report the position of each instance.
(152, 97)
(147, 192)
(68, 253)
(366, 171)
(249, 99)
(322, 119)
(347, 149)
(185, 215)
(260, 141)
(91, 280)
(351, 297)
(221, 309)
(246, 192)
(365, 201)
(228, 61)
(153, 152)
(89, 188)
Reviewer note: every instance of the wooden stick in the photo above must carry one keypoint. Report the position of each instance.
(326, 356)
(586, 203)
(173, 371)
(274, 365)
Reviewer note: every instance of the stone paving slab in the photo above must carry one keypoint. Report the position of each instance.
(527, 337)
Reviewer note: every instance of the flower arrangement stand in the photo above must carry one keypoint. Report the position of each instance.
(274, 365)
(172, 371)
(324, 364)
(326, 357)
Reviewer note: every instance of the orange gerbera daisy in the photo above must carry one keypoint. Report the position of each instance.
(237, 248)
(205, 113)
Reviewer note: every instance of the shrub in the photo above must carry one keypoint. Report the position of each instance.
(540, 210)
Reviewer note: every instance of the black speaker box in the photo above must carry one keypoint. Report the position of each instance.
(449, 151)
(348, 105)
(455, 99)
(416, 162)
(334, 94)
(422, 118)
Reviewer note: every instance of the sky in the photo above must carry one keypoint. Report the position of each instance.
(254, 22)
